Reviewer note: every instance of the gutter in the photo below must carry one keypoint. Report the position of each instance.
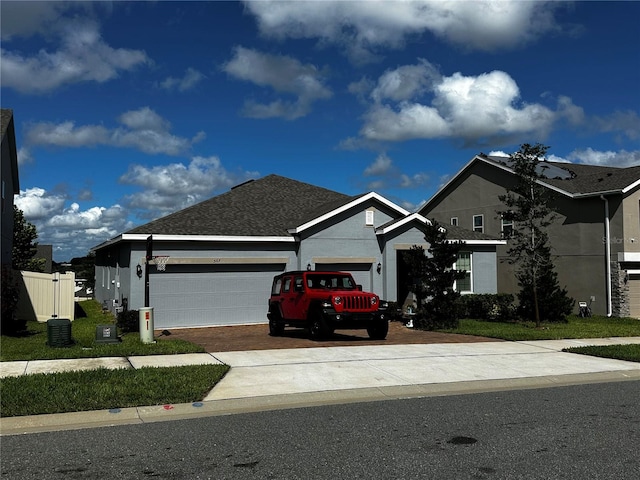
(607, 249)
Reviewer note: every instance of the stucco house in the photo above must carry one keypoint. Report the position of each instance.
(222, 254)
(9, 182)
(596, 236)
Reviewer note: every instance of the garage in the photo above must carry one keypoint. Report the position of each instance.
(634, 295)
(205, 295)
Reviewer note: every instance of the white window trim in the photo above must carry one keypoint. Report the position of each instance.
(369, 217)
(455, 266)
(503, 223)
(473, 224)
(454, 219)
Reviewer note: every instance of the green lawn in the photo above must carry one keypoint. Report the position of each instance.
(105, 389)
(594, 327)
(33, 344)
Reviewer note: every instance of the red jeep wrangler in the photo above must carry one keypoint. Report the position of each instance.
(324, 302)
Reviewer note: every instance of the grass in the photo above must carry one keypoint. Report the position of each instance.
(577, 327)
(106, 389)
(593, 327)
(32, 345)
(102, 388)
(630, 353)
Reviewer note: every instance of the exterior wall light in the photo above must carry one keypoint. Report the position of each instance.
(308, 267)
(379, 267)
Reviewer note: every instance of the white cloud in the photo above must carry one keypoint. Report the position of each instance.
(283, 74)
(143, 130)
(72, 231)
(361, 27)
(406, 82)
(167, 188)
(191, 78)
(83, 56)
(608, 158)
(380, 166)
(473, 109)
(36, 204)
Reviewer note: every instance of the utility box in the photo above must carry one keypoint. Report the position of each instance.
(107, 334)
(59, 332)
(145, 316)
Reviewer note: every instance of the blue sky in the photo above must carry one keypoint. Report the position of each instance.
(127, 111)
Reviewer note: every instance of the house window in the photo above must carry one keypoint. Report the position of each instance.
(369, 218)
(507, 228)
(478, 223)
(454, 221)
(464, 285)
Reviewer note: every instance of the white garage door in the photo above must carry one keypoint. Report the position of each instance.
(634, 295)
(205, 295)
(361, 272)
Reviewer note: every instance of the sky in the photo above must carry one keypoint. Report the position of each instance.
(128, 111)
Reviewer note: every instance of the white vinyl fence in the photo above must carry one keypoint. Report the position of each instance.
(46, 295)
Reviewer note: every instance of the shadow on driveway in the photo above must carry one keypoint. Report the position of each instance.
(256, 337)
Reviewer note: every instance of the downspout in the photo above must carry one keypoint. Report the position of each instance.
(607, 249)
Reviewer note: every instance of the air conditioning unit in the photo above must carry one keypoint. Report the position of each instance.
(59, 332)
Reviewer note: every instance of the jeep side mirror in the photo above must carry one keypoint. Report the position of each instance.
(359, 288)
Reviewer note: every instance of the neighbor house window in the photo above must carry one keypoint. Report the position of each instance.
(454, 221)
(478, 223)
(507, 228)
(464, 285)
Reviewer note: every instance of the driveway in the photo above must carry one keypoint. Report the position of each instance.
(256, 337)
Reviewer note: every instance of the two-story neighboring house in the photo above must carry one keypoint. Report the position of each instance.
(595, 238)
(10, 184)
(213, 263)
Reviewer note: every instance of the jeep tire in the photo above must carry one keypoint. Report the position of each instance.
(276, 327)
(379, 330)
(317, 326)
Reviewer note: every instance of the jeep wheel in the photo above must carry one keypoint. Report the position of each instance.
(276, 327)
(379, 330)
(317, 327)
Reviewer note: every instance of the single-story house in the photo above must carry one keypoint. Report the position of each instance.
(220, 256)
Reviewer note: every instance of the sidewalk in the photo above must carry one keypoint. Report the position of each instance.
(274, 379)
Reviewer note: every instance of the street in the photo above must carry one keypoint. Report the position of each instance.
(584, 431)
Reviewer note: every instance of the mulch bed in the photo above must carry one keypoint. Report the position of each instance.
(256, 337)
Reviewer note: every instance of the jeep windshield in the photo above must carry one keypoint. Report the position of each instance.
(333, 281)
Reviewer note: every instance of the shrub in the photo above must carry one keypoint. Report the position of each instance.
(10, 296)
(434, 317)
(128, 321)
(490, 307)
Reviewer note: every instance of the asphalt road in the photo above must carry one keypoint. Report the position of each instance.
(585, 431)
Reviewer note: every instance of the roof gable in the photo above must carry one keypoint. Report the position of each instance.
(570, 179)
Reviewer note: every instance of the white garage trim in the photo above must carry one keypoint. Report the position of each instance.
(344, 260)
(223, 260)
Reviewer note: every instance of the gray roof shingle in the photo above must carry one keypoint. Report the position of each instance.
(268, 206)
(575, 178)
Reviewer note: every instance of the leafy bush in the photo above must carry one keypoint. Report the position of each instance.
(434, 316)
(128, 321)
(10, 296)
(490, 307)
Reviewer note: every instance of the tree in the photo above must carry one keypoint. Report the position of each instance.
(433, 278)
(24, 244)
(528, 206)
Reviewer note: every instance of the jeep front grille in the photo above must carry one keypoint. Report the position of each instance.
(357, 302)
